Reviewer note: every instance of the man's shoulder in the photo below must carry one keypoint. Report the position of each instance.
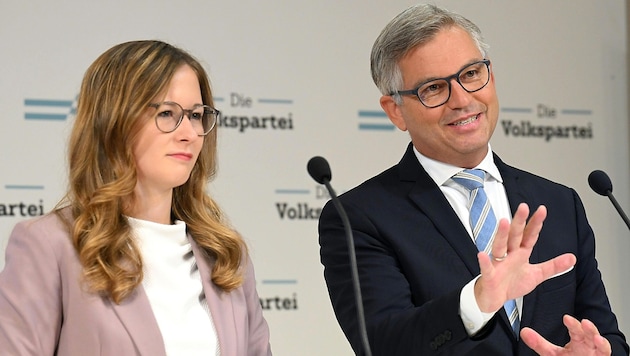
(511, 172)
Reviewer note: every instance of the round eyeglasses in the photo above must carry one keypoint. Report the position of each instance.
(436, 92)
(170, 115)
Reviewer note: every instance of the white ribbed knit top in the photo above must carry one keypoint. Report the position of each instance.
(173, 286)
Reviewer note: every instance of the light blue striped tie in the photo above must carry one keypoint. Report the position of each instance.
(484, 224)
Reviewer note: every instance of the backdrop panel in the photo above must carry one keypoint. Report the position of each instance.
(292, 79)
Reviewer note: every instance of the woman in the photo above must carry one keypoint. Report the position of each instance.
(137, 259)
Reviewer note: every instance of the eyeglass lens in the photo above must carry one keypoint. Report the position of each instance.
(170, 115)
(437, 92)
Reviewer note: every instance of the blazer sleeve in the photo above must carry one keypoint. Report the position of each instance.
(30, 293)
(258, 338)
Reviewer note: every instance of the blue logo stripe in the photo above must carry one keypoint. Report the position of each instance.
(279, 281)
(376, 127)
(386, 125)
(292, 191)
(37, 116)
(372, 113)
(25, 187)
(576, 112)
(275, 101)
(46, 102)
(48, 109)
(517, 110)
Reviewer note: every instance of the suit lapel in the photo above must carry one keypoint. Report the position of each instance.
(431, 201)
(517, 193)
(136, 315)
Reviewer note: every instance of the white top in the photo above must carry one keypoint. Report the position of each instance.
(173, 286)
(473, 318)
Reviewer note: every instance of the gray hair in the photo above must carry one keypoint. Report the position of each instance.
(415, 26)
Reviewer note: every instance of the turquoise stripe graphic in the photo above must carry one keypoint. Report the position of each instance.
(275, 101)
(576, 112)
(279, 281)
(376, 127)
(378, 115)
(24, 187)
(37, 116)
(292, 191)
(372, 113)
(41, 105)
(46, 102)
(517, 110)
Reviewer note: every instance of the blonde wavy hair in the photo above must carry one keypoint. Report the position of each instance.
(114, 95)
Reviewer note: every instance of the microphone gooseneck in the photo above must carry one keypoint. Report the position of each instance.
(601, 184)
(319, 169)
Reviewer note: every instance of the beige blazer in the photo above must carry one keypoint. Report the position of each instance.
(45, 310)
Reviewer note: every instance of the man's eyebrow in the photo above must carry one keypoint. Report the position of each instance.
(430, 79)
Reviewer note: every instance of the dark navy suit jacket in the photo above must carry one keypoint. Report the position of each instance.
(414, 256)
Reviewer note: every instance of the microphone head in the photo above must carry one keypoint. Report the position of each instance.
(600, 182)
(319, 169)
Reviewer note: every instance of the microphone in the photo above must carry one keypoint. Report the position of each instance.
(319, 169)
(601, 184)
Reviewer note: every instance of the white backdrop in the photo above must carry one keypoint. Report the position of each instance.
(558, 64)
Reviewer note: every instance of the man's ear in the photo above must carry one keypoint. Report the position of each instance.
(393, 112)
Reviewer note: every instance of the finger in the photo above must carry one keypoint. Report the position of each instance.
(533, 227)
(589, 328)
(486, 295)
(574, 327)
(539, 344)
(517, 226)
(602, 345)
(500, 243)
(485, 264)
(594, 338)
(554, 266)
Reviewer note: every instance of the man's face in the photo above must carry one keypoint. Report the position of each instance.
(458, 131)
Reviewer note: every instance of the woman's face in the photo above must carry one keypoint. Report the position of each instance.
(165, 160)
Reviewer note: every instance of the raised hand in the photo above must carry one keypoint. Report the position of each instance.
(511, 275)
(585, 340)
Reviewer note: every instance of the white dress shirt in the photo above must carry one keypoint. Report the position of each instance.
(473, 318)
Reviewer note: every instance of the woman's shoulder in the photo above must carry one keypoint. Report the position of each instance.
(50, 229)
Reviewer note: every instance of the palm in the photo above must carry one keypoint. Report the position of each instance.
(515, 276)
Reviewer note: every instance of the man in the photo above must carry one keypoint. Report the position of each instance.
(430, 284)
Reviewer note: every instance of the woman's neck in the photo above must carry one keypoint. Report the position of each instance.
(155, 208)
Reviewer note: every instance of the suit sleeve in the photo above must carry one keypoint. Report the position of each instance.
(258, 337)
(30, 294)
(591, 301)
(395, 325)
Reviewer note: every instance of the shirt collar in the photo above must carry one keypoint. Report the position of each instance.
(441, 172)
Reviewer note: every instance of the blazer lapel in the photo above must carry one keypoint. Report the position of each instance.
(431, 201)
(219, 304)
(136, 315)
(517, 193)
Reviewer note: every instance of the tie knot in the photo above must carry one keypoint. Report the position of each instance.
(470, 179)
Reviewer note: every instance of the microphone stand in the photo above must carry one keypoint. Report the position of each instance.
(353, 267)
(614, 202)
